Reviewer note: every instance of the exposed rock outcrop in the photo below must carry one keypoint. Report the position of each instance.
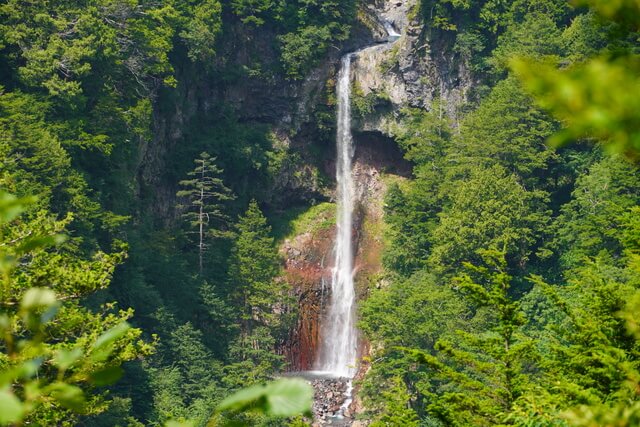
(420, 67)
(256, 93)
(308, 252)
(307, 270)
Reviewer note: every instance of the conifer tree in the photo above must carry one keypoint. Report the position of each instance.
(590, 355)
(253, 270)
(478, 379)
(397, 411)
(204, 192)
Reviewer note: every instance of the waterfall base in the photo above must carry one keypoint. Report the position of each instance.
(332, 398)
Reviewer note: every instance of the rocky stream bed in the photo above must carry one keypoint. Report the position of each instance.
(329, 397)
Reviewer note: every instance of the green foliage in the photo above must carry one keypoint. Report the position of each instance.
(255, 11)
(477, 378)
(489, 209)
(592, 223)
(396, 412)
(314, 219)
(411, 210)
(469, 44)
(411, 312)
(507, 129)
(365, 104)
(514, 350)
(593, 98)
(536, 36)
(317, 24)
(255, 260)
(300, 50)
(53, 354)
(254, 266)
(201, 30)
(414, 313)
(625, 11)
(62, 46)
(306, 27)
(585, 37)
(94, 121)
(589, 355)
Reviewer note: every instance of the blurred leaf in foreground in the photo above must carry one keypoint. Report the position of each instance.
(598, 98)
(281, 398)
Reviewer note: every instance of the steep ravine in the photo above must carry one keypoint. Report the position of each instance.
(418, 68)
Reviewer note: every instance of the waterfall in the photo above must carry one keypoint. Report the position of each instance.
(340, 339)
(392, 34)
(338, 355)
(339, 345)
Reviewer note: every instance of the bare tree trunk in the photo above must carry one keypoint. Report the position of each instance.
(201, 222)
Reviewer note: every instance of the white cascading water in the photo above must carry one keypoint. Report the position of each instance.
(340, 338)
(391, 31)
(339, 345)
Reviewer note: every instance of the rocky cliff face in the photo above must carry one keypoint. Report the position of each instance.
(257, 93)
(418, 68)
(308, 271)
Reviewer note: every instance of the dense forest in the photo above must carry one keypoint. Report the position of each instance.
(155, 156)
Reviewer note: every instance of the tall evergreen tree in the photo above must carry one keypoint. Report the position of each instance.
(205, 192)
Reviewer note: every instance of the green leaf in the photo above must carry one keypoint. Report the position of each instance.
(289, 397)
(11, 410)
(30, 367)
(24, 370)
(103, 346)
(5, 323)
(40, 242)
(111, 335)
(11, 206)
(107, 375)
(36, 298)
(50, 313)
(7, 262)
(243, 398)
(69, 396)
(64, 358)
(281, 398)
